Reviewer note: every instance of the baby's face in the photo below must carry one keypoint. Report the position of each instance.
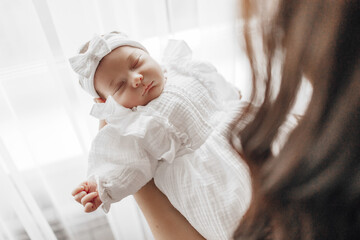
(130, 75)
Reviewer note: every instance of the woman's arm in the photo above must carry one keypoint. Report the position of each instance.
(164, 220)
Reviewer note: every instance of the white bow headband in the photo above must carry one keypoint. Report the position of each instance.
(85, 64)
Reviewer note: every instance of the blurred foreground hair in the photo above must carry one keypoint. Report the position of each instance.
(311, 189)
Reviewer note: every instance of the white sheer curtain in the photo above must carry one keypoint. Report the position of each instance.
(45, 128)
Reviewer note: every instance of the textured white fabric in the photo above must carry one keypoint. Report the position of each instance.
(85, 64)
(181, 140)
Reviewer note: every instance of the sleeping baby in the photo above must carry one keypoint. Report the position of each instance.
(170, 123)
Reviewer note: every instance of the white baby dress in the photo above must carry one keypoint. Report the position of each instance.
(181, 140)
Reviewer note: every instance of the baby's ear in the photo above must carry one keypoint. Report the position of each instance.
(99, 100)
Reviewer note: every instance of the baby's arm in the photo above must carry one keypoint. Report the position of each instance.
(122, 160)
(87, 195)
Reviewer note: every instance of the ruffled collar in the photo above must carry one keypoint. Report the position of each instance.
(112, 108)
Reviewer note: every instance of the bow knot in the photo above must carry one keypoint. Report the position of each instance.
(86, 63)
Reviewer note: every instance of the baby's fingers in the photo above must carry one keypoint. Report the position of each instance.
(89, 207)
(77, 190)
(78, 197)
(88, 198)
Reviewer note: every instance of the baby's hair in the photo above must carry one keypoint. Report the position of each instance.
(85, 47)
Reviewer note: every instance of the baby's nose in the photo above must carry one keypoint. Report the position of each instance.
(137, 80)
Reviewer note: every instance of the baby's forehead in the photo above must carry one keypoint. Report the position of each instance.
(122, 53)
(116, 61)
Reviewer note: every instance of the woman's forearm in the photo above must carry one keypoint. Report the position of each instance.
(164, 220)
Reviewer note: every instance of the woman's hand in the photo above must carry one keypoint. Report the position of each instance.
(87, 195)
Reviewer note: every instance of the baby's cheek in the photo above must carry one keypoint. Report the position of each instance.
(130, 100)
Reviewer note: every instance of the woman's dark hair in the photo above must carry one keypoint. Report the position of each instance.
(311, 189)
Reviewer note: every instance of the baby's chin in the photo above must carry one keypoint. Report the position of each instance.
(154, 93)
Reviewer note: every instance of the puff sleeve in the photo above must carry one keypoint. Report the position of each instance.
(178, 56)
(124, 154)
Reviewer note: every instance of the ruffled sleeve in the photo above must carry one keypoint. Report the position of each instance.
(178, 57)
(125, 153)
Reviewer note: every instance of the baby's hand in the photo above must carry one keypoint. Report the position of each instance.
(86, 194)
(102, 122)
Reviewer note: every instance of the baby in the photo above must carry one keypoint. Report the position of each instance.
(170, 123)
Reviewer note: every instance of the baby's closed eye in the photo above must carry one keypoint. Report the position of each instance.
(137, 61)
